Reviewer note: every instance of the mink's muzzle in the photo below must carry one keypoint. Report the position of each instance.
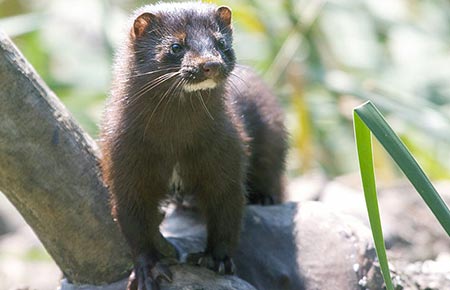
(210, 69)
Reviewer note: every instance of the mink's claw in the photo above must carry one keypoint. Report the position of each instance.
(140, 281)
(161, 271)
(223, 266)
(228, 266)
(147, 275)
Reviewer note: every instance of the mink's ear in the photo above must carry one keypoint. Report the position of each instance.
(224, 14)
(141, 23)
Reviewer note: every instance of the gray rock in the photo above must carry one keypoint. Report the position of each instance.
(307, 187)
(426, 275)
(292, 246)
(430, 274)
(411, 230)
(120, 285)
(185, 278)
(345, 199)
(301, 246)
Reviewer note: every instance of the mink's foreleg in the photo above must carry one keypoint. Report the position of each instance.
(221, 194)
(136, 194)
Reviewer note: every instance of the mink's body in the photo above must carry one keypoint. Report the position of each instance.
(182, 117)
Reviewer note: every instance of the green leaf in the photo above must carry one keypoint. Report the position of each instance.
(373, 119)
(368, 119)
(364, 147)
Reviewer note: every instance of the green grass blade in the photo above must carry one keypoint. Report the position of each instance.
(364, 148)
(373, 119)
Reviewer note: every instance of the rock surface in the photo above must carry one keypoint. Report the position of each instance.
(414, 238)
(185, 278)
(411, 231)
(292, 246)
(310, 245)
(289, 246)
(430, 274)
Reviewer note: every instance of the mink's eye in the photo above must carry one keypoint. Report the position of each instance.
(176, 48)
(222, 44)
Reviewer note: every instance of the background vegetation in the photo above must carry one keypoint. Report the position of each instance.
(322, 58)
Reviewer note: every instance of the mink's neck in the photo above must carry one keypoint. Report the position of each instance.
(177, 116)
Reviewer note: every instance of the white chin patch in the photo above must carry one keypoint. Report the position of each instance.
(204, 85)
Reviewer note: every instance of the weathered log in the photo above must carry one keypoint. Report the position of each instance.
(48, 170)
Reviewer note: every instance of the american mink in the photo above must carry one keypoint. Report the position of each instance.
(182, 115)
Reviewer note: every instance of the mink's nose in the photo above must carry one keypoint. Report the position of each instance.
(211, 68)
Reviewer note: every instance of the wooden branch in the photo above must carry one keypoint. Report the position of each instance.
(48, 170)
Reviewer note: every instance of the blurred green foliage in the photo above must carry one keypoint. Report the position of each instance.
(322, 57)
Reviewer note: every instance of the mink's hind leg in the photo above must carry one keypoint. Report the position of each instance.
(265, 181)
(265, 174)
(265, 191)
(264, 127)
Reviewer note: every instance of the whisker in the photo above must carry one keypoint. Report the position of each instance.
(157, 106)
(126, 77)
(239, 78)
(144, 109)
(174, 89)
(180, 92)
(155, 82)
(153, 72)
(204, 105)
(234, 87)
(192, 104)
(151, 85)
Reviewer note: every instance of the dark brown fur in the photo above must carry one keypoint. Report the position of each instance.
(225, 141)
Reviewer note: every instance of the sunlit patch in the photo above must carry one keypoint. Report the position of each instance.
(204, 85)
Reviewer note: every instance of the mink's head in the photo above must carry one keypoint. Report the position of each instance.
(184, 46)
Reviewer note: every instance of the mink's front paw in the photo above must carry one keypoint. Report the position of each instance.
(147, 274)
(223, 266)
